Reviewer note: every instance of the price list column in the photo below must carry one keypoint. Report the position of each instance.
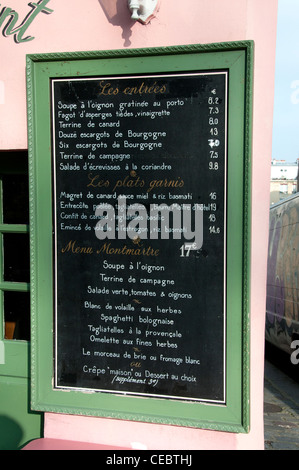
(216, 154)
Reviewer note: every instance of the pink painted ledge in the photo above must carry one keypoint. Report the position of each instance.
(60, 444)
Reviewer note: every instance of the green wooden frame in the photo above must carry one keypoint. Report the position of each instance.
(237, 58)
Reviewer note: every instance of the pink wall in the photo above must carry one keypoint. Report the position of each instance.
(106, 24)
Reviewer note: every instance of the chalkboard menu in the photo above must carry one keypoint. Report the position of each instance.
(139, 164)
(139, 210)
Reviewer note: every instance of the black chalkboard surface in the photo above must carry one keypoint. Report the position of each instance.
(139, 210)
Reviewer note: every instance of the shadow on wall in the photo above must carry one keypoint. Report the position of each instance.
(118, 14)
(11, 434)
